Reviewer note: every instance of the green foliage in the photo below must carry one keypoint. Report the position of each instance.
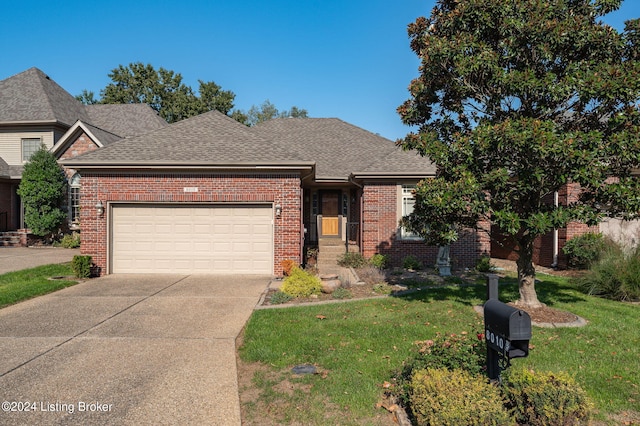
(42, 190)
(455, 397)
(380, 261)
(279, 297)
(545, 398)
(484, 265)
(342, 293)
(163, 90)
(584, 249)
(268, 111)
(615, 276)
(411, 262)
(515, 100)
(352, 260)
(301, 284)
(70, 240)
(382, 288)
(81, 266)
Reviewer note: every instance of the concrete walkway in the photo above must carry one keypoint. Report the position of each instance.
(127, 349)
(18, 258)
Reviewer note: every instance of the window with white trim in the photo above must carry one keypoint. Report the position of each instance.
(408, 201)
(74, 199)
(29, 147)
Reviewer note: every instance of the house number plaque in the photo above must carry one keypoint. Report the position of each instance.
(190, 189)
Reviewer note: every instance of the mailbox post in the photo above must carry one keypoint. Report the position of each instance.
(507, 333)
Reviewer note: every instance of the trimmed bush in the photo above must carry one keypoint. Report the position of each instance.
(70, 241)
(444, 397)
(81, 266)
(341, 293)
(380, 261)
(300, 283)
(279, 297)
(352, 260)
(411, 262)
(582, 251)
(484, 265)
(545, 398)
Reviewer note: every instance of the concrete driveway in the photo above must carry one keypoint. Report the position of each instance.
(17, 258)
(127, 349)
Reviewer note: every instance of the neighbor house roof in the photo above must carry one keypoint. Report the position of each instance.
(209, 139)
(340, 148)
(125, 120)
(32, 97)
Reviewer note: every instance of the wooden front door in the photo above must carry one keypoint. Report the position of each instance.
(330, 213)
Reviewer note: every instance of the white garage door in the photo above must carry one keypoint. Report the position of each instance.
(200, 239)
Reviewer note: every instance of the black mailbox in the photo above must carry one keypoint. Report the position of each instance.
(507, 329)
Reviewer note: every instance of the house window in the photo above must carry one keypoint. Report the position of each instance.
(29, 147)
(407, 201)
(74, 199)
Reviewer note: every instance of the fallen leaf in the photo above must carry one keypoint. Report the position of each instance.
(321, 317)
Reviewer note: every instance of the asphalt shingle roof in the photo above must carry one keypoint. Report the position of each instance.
(207, 139)
(125, 120)
(31, 96)
(340, 148)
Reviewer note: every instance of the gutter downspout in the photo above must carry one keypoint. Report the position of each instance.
(555, 234)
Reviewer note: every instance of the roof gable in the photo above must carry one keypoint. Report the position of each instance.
(211, 138)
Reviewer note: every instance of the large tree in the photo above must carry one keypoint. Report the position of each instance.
(163, 90)
(516, 99)
(42, 191)
(268, 111)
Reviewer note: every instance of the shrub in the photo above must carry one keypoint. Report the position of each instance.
(300, 283)
(582, 251)
(545, 398)
(352, 260)
(341, 293)
(382, 288)
(279, 297)
(445, 397)
(287, 265)
(81, 266)
(70, 241)
(411, 262)
(380, 261)
(616, 275)
(371, 275)
(484, 265)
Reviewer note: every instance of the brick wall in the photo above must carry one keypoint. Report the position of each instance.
(81, 145)
(380, 232)
(283, 189)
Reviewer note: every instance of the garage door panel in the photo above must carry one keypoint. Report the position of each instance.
(192, 239)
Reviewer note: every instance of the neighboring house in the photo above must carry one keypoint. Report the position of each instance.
(35, 111)
(208, 194)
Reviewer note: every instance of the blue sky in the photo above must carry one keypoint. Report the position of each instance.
(335, 58)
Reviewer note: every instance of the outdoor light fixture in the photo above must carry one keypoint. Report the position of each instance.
(100, 208)
(278, 210)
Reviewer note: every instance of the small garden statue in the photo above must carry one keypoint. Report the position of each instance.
(443, 263)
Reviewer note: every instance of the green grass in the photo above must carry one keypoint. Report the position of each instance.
(26, 284)
(359, 345)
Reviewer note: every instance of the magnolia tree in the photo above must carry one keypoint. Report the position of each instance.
(514, 100)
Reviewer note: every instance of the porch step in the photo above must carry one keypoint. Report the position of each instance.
(329, 251)
(10, 239)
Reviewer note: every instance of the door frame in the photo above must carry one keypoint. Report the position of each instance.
(321, 194)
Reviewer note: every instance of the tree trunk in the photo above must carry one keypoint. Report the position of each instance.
(527, 275)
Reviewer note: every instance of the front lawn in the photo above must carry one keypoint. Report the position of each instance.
(356, 346)
(21, 285)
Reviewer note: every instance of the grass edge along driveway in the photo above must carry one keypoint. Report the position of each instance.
(29, 283)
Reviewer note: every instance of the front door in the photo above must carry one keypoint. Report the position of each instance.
(330, 214)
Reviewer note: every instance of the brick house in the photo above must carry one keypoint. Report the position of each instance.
(35, 111)
(208, 194)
